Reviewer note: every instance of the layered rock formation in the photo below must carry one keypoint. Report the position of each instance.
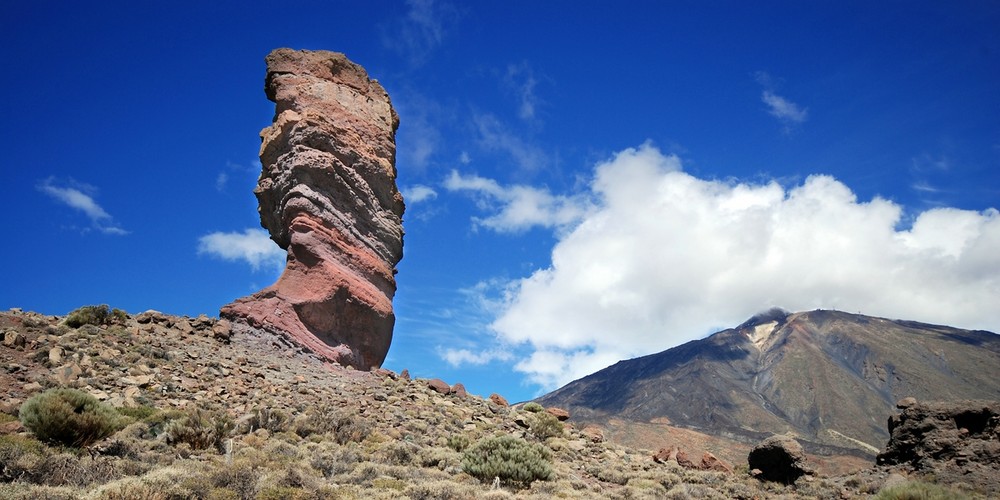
(328, 195)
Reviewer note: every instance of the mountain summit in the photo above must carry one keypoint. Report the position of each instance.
(830, 377)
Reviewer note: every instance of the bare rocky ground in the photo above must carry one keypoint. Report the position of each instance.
(283, 424)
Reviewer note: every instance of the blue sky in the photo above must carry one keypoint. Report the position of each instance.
(585, 181)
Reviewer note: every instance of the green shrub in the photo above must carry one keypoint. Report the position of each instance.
(515, 461)
(918, 490)
(533, 407)
(545, 425)
(88, 315)
(201, 429)
(95, 315)
(70, 417)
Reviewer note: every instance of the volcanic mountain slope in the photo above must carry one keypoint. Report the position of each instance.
(829, 377)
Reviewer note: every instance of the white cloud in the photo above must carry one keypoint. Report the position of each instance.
(81, 197)
(253, 246)
(518, 208)
(459, 357)
(783, 109)
(659, 257)
(418, 193)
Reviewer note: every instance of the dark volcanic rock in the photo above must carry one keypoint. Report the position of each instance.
(327, 194)
(956, 441)
(779, 459)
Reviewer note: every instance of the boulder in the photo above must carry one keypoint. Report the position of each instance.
(222, 330)
(439, 386)
(499, 400)
(327, 194)
(778, 459)
(559, 413)
(665, 455)
(13, 339)
(956, 441)
(458, 390)
(684, 460)
(713, 463)
(594, 434)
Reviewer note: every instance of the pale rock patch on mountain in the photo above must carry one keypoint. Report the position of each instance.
(327, 194)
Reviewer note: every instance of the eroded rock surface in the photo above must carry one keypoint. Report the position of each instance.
(956, 441)
(327, 194)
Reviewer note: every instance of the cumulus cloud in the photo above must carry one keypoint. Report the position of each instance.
(252, 246)
(517, 208)
(658, 257)
(81, 197)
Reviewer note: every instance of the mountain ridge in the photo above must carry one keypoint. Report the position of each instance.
(829, 377)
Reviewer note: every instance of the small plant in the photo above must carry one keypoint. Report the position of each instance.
(533, 407)
(200, 429)
(69, 417)
(545, 425)
(512, 460)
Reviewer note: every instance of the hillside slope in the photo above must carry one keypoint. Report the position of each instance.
(830, 377)
(264, 419)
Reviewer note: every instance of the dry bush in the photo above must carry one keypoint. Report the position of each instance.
(22, 491)
(441, 490)
(240, 477)
(919, 490)
(200, 429)
(544, 425)
(337, 461)
(346, 427)
(398, 453)
(441, 458)
(272, 419)
(19, 456)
